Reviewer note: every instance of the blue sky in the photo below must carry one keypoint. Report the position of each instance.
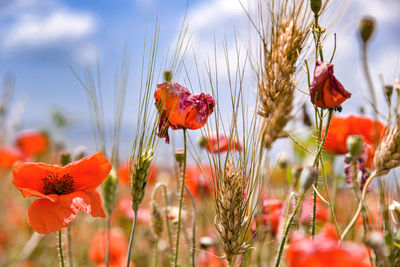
(39, 38)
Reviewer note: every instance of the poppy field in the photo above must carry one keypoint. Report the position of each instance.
(256, 165)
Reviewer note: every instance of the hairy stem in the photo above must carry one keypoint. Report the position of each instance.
(60, 249)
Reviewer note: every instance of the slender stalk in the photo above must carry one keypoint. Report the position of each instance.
(71, 263)
(193, 250)
(180, 201)
(131, 239)
(360, 205)
(286, 232)
(108, 240)
(60, 249)
(156, 254)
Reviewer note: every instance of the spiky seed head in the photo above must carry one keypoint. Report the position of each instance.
(109, 191)
(138, 178)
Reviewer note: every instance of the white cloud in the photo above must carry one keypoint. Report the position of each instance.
(33, 30)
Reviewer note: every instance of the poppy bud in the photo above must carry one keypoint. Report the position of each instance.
(156, 220)
(79, 152)
(167, 76)
(206, 242)
(109, 190)
(388, 92)
(355, 146)
(395, 210)
(65, 158)
(316, 6)
(376, 241)
(367, 25)
(283, 160)
(179, 155)
(307, 178)
(202, 141)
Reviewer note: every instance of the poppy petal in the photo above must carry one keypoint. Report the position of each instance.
(28, 178)
(88, 173)
(46, 217)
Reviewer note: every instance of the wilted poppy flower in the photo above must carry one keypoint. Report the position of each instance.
(118, 248)
(342, 127)
(32, 142)
(326, 91)
(325, 250)
(179, 109)
(123, 173)
(63, 191)
(322, 212)
(9, 155)
(219, 144)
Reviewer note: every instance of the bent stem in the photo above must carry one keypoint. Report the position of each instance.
(131, 239)
(60, 249)
(287, 228)
(360, 205)
(180, 200)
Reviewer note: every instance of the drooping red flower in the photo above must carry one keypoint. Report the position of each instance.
(179, 109)
(118, 248)
(123, 173)
(33, 142)
(325, 250)
(326, 91)
(219, 144)
(342, 127)
(322, 212)
(62, 191)
(9, 155)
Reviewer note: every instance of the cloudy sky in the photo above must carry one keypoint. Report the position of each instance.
(40, 38)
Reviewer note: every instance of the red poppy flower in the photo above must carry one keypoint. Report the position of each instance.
(325, 250)
(209, 258)
(179, 109)
(63, 191)
(123, 173)
(270, 217)
(118, 248)
(342, 127)
(9, 155)
(32, 142)
(196, 179)
(322, 212)
(124, 209)
(219, 144)
(326, 91)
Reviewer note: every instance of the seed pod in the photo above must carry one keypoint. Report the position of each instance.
(316, 6)
(367, 25)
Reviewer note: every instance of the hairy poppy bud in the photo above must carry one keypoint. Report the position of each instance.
(109, 190)
(206, 242)
(316, 6)
(355, 146)
(395, 210)
(388, 92)
(367, 25)
(307, 178)
(156, 222)
(65, 158)
(179, 155)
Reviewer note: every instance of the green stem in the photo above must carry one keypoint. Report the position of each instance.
(108, 240)
(131, 239)
(71, 264)
(193, 249)
(286, 232)
(60, 248)
(180, 201)
(156, 254)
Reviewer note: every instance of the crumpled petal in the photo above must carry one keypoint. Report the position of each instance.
(45, 216)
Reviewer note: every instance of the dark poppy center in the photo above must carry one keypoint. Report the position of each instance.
(53, 184)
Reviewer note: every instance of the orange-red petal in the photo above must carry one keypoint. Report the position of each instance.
(45, 216)
(88, 173)
(28, 178)
(10, 155)
(33, 142)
